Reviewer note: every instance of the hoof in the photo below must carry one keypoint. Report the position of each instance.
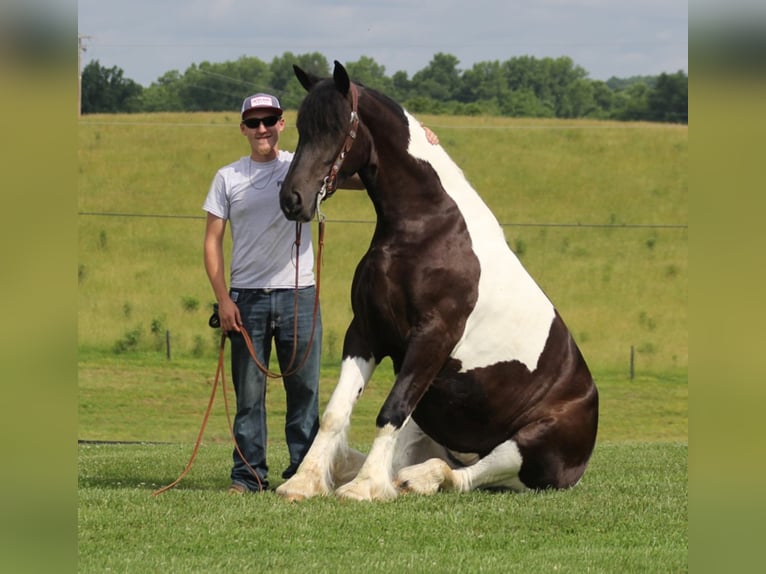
(425, 478)
(304, 484)
(366, 490)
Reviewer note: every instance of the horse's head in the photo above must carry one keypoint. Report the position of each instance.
(328, 148)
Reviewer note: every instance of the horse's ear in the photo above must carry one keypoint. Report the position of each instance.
(306, 79)
(340, 76)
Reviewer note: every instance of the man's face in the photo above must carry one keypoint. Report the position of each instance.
(263, 139)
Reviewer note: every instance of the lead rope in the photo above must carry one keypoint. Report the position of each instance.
(248, 343)
(219, 373)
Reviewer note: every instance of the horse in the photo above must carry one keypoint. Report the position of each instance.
(490, 391)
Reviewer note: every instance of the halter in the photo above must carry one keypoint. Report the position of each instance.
(330, 183)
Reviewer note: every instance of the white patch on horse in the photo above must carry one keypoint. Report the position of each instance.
(499, 469)
(329, 461)
(512, 316)
(354, 374)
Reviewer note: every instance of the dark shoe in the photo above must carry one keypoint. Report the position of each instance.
(289, 471)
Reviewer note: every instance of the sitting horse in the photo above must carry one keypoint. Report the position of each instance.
(491, 390)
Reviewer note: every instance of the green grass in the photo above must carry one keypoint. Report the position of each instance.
(628, 514)
(148, 399)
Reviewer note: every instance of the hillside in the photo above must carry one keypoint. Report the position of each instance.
(597, 212)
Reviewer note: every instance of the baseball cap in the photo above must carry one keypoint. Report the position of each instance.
(261, 102)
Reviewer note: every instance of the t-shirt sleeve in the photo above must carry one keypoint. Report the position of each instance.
(217, 202)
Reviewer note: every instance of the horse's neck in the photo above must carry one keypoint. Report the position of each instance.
(417, 184)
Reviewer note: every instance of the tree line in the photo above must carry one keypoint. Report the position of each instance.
(522, 86)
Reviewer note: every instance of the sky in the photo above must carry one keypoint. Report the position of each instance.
(622, 38)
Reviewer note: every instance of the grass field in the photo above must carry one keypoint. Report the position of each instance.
(596, 211)
(628, 514)
(134, 399)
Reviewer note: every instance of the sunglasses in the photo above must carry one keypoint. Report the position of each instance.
(268, 121)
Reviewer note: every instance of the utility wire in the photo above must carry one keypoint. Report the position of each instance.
(370, 221)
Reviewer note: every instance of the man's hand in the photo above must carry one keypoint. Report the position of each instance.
(432, 138)
(228, 312)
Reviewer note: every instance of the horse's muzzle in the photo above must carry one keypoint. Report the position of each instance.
(293, 208)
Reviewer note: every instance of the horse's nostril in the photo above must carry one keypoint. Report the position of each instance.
(292, 204)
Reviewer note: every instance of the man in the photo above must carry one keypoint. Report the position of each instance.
(261, 296)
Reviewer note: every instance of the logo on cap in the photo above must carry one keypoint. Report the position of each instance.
(260, 101)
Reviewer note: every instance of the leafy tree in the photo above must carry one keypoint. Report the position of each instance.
(281, 68)
(524, 103)
(569, 88)
(105, 90)
(484, 81)
(284, 83)
(439, 80)
(603, 98)
(619, 84)
(368, 72)
(401, 86)
(522, 86)
(163, 95)
(669, 100)
(421, 105)
(632, 103)
(576, 100)
(217, 87)
(314, 63)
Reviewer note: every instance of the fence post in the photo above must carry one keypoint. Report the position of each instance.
(167, 342)
(632, 362)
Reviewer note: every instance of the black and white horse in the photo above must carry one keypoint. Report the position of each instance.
(491, 390)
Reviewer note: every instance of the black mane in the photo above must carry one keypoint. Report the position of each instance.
(323, 114)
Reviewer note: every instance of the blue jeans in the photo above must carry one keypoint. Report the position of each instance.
(268, 315)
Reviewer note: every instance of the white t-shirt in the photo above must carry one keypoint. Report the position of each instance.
(246, 193)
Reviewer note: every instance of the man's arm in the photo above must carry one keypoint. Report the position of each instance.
(228, 311)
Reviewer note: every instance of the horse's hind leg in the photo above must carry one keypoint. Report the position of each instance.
(500, 469)
(548, 453)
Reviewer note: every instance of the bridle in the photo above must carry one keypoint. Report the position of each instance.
(330, 182)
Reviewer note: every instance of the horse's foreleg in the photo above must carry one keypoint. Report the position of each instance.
(329, 457)
(421, 363)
